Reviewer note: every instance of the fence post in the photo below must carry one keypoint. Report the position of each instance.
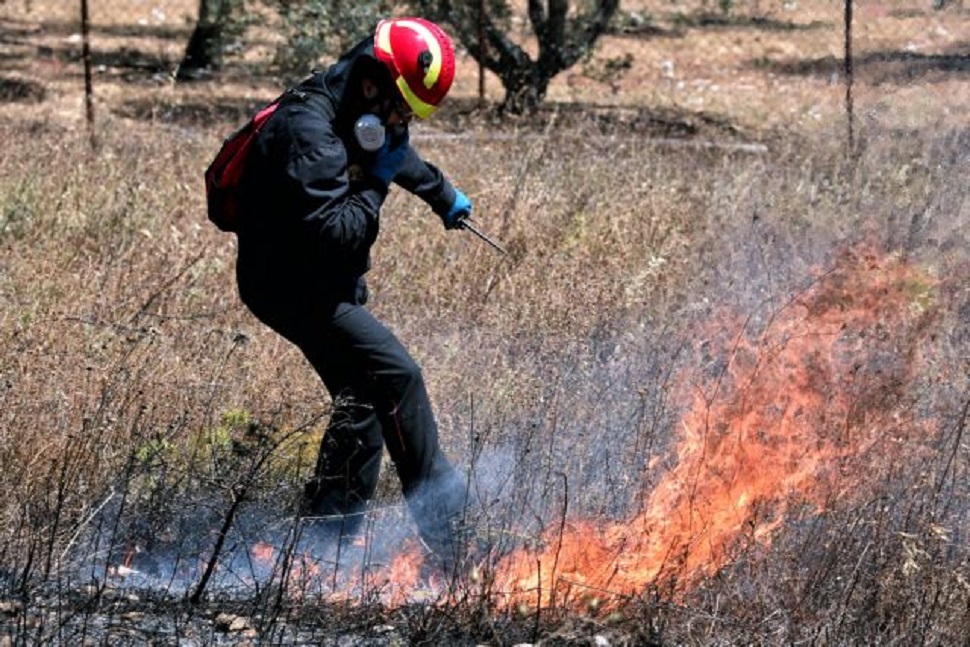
(847, 62)
(481, 52)
(86, 59)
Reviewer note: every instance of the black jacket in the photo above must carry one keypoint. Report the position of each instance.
(310, 213)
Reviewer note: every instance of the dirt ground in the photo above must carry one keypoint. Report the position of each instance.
(687, 69)
(766, 70)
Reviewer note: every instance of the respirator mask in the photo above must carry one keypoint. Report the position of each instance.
(369, 131)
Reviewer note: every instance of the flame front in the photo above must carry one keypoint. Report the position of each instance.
(792, 418)
(801, 413)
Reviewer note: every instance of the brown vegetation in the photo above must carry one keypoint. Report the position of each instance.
(655, 250)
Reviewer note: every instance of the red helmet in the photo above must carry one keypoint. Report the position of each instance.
(421, 59)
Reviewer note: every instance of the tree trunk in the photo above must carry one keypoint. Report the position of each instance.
(525, 88)
(204, 49)
(564, 37)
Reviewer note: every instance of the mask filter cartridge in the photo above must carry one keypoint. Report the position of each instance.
(369, 132)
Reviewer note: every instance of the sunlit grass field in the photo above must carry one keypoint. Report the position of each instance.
(730, 366)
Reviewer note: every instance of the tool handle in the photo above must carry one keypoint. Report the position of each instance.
(470, 226)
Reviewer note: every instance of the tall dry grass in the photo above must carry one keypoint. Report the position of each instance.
(140, 403)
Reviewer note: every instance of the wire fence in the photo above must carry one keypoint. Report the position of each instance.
(103, 13)
(59, 50)
(46, 38)
(50, 41)
(116, 51)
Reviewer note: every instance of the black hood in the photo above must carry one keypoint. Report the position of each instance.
(341, 83)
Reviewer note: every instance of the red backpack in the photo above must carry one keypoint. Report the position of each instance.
(224, 176)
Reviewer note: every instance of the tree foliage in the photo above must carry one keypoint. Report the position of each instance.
(565, 31)
(314, 29)
(311, 30)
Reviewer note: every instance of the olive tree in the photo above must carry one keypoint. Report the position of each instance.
(311, 30)
(565, 32)
(314, 29)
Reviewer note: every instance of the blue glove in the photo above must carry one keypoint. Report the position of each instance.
(460, 209)
(389, 159)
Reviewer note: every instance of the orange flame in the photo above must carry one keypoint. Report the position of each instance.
(399, 582)
(793, 418)
(788, 420)
(396, 583)
(262, 553)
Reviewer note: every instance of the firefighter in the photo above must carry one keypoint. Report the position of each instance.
(316, 180)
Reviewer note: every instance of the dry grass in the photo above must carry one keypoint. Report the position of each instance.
(139, 401)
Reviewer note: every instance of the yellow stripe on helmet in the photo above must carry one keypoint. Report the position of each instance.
(421, 109)
(434, 70)
(384, 37)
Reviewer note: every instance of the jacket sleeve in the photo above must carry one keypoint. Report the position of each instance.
(341, 216)
(424, 180)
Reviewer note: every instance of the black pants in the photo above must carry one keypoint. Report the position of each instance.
(379, 400)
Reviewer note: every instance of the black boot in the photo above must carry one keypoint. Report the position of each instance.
(327, 520)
